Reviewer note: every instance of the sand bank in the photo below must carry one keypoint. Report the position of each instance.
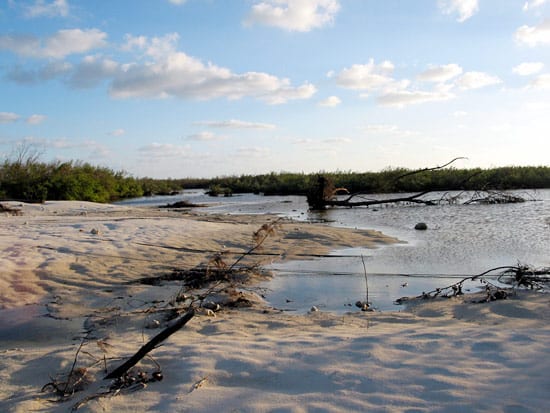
(69, 271)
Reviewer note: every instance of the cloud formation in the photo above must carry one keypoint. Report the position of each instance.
(476, 80)
(379, 80)
(117, 132)
(294, 15)
(440, 74)
(533, 4)
(236, 124)
(8, 117)
(534, 35)
(541, 82)
(57, 46)
(330, 102)
(41, 8)
(369, 76)
(403, 98)
(183, 76)
(205, 136)
(463, 8)
(91, 71)
(528, 68)
(36, 119)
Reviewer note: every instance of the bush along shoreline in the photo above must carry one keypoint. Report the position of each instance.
(27, 179)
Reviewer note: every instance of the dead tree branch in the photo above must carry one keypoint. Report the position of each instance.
(150, 345)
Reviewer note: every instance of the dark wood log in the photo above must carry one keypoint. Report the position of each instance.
(150, 345)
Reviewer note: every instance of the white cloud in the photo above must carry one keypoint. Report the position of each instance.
(528, 68)
(41, 8)
(91, 71)
(294, 15)
(369, 76)
(206, 136)
(183, 76)
(177, 2)
(330, 102)
(36, 119)
(117, 132)
(476, 80)
(403, 98)
(541, 82)
(464, 8)
(534, 35)
(533, 4)
(440, 73)
(155, 47)
(57, 46)
(236, 124)
(8, 117)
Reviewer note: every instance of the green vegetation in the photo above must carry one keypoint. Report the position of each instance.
(26, 178)
(516, 177)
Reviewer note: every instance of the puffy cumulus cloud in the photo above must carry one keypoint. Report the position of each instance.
(440, 73)
(183, 76)
(8, 117)
(541, 82)
(463, 8)
(402, 98)
(369, 76)
(41, 8)
(330, 102)
(534, 35)
(533, 4)
(528, 68)
(36, 119)
(294, 15)
(57, 46)
(236, 124)
(91, 71)
(378, 80)
(476, 80)
(155, 47)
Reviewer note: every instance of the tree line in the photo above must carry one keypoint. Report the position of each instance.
(26, 178)
(392, 180)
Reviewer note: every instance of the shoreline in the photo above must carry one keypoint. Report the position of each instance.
(81, 262)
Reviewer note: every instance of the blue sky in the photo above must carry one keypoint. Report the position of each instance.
(202, 88)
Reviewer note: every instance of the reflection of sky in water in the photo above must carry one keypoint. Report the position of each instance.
(460, 240)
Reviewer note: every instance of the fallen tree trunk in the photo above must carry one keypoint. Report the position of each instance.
(150, 345)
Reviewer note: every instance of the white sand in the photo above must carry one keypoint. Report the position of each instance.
(438, 356)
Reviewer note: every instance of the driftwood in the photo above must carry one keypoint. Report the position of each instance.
(150, 345)
(324, 194)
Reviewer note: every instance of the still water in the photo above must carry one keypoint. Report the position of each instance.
(461, 240)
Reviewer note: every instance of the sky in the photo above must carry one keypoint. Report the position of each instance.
(205, 88)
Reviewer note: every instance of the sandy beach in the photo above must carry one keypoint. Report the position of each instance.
(69, 285)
